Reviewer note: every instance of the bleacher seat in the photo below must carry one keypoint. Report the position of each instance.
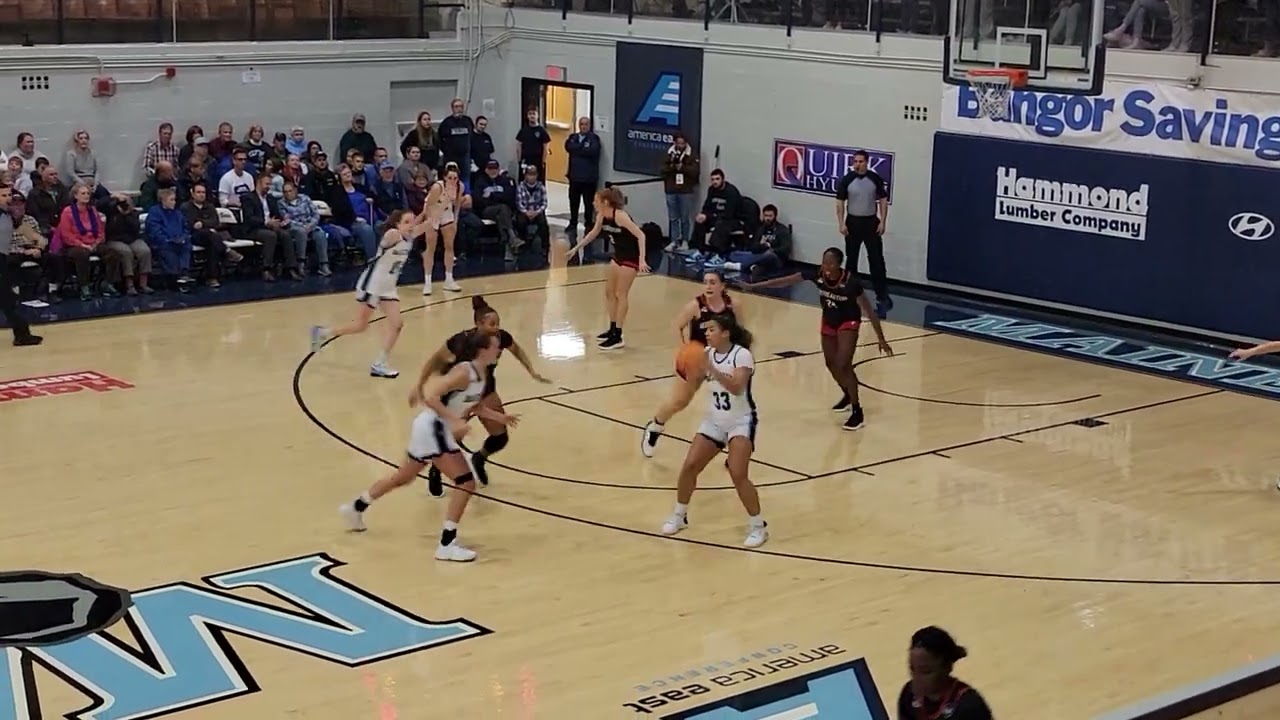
(229, 219)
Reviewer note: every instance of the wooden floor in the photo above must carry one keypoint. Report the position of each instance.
(1085, 568)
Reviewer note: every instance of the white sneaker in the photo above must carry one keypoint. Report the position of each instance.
(756, 537)
(426, 290)
(452, 285)
(382, 371)
(675, 524)
(354, 519)
(453, 552)
(649, 441)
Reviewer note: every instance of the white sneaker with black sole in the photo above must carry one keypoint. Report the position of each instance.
(649, 441)
(453, 552)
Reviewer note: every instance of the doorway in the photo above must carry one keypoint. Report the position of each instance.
(559, 104)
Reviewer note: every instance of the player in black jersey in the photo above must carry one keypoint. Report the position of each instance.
(843, 307)
(932, 693)
(690, 330)
(487, 323)
(628, 260)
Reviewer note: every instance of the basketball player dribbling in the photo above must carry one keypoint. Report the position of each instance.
(628, 260)
(843, 308)
(376, 288)
(730, 422)
(489, 324)
(447, 401)
(713, 300)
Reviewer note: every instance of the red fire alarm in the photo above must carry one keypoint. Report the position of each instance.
(104, 86)
(170, 72)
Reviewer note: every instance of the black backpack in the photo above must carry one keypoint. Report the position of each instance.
(749, 214)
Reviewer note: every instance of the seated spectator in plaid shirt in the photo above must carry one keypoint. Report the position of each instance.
(200, 216)
(304, 225)
(160, 150)
(531, 202)
(29, 245)
(169, 239)
(388, 195)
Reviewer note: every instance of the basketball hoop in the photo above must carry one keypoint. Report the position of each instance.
(994, 87)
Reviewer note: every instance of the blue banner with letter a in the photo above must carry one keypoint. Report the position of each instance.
(657, 92)
(1185, 242)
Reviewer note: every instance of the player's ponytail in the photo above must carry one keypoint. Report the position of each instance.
(738, 335)
(939, 643)
(481, 308)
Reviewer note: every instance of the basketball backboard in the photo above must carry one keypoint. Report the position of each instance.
(1062, 51)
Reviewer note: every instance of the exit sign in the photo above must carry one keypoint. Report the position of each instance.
(555, 73)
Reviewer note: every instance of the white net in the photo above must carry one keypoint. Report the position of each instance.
(995, 95)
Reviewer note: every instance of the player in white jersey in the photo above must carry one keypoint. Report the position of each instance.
(448, 400)
(444, 202)
(730, 423)
(376, 288)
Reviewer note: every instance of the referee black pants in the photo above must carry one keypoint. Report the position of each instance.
(862, 231)
(9, 300)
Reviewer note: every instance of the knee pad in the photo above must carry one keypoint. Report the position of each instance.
(464, 478)
(494, 443)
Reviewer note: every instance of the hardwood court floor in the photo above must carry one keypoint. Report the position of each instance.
(1086, 568)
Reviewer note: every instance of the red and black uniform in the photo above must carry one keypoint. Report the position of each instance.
(697, 333)
(626, 247)
(839, 300)
(959, 702)
(458, 341)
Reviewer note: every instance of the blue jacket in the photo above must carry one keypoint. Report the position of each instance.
(584, 157)
(165, 226)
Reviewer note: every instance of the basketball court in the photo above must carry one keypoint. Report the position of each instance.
(1095, 536)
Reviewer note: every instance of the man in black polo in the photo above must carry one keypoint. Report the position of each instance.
(862, 212)
(8, 296)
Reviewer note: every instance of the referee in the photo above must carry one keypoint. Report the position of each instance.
(862, 211)
(8, 296)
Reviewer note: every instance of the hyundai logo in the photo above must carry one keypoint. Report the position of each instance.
(1251, 226)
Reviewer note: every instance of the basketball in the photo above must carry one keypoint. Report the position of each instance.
(556, 253)
(691, 360)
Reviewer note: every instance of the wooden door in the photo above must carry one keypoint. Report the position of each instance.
(559, 108)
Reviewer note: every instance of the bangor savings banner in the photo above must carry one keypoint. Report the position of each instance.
(1165, 120)
(811, 168)
(1177, 241)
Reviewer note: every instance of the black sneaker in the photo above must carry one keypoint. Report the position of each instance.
(27, 340)
(435, 482)
(843, 404)
(477, 464)
(614, 342)
(855, 420)
(605, 335)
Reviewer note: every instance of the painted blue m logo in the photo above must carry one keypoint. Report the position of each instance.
(185, 657)
(843, 692)
(663, 104)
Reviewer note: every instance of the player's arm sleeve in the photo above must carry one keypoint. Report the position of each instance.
(745, 359)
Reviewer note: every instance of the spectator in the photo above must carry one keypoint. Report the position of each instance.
(353, 211)
(202, 222)
(8, 298)
(47, 199)
(170, 239)
(80, 165)
(423, 136)
(314, 150)
(20, 180)
(273, 170)
(416, 194)
(194, 134)
(495, 199)
(30, 245)
(862, 204)
(380, 155)
(1128, 34)
(481, 149)
(164, 178)
(531, 202)
(455, 136)
(1066, 22)
(583, 148)
(389, 195)
(293, 171)
(357, 138)
(265, 224)
(237, 181)
(160, 150)
(256, 148)
(26, 149)
(223, 145)
(363, 177)
(680, 174)
(720, 216)
(932, 691)
(769, 250)
(297, 142)
(304, 225)
(82, 234)
(411, 166)
(195, 175)
(278, 150)
(531, 144)
(322, 183)
(124, 240)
